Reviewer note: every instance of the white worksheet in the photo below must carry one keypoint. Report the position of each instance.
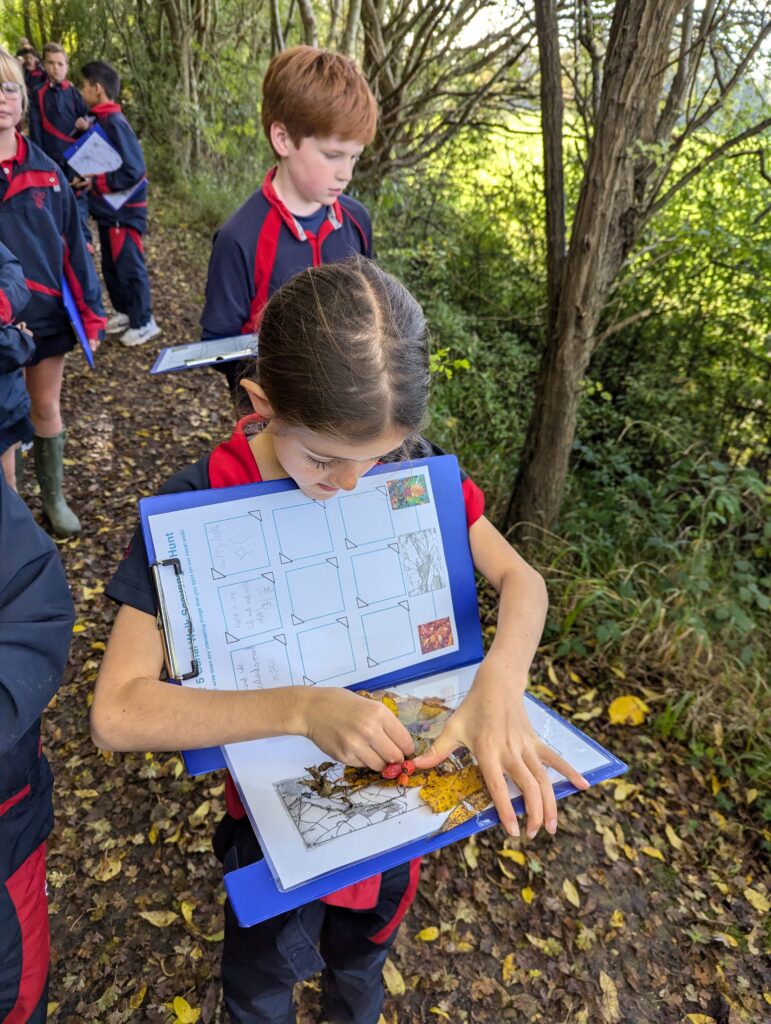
(284, 590)
(95, 154)
(304, 835)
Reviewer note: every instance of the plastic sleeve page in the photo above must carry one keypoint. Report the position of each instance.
(95, 155)
(285, 590)
(305, 834)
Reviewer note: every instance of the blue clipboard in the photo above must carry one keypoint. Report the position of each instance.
(255, 896)
(253, 891)
(77, 324)
(95, 129)
(208, 352)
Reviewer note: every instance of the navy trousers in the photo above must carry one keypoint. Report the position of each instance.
(260, 965)
(125, 273)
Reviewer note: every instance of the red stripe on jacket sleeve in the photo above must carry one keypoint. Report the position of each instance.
(6, 312)
(99, 184)
(92, 322)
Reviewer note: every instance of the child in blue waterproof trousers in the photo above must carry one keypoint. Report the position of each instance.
(341, 383)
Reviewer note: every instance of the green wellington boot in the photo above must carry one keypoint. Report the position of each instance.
(49, 470)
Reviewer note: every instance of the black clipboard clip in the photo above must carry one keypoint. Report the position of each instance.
(170, 625)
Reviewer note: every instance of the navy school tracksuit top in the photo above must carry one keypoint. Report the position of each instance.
(36, 619)
(133, 213)
(53, 110)
(39, 224)
(16, 347)
(262, 246)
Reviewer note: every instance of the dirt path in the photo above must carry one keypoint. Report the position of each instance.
(615, 921)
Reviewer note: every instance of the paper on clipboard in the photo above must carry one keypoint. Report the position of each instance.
(205, 353)
(117, 200)
(93, 153)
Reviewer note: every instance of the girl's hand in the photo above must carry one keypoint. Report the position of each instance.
(94, 343)
(493, 723)
(82, 184)
(353, 730)
(83, 124)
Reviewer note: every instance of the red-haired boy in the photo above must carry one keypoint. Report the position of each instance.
(318, 114)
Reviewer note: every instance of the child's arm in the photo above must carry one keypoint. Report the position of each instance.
(492, 721)
(79, 270)
(36, 619)
(134, 710)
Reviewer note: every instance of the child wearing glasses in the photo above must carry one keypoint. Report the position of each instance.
(39, 224)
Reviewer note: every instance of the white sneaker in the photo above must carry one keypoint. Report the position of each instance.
(139, 335)
(117, 322)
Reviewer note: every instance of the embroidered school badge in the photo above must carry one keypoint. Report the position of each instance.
(40, 198)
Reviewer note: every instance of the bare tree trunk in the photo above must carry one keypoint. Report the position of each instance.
(351, 28)
(310, 31)
(604, 229)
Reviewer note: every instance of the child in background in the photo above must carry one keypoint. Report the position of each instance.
(341, 383)
(34, 72)
(16, 350)
(318, 114)
(121, 230)
(39, 224)
(36, 620)
(57, 117)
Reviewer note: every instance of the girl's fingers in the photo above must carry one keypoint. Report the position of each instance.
(499, 791)
(399, 735)
(552, 758)
(548, 809)
(440, 749)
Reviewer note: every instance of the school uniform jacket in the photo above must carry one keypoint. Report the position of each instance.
(39, 224)
(229, 464)
(16, 347)
(262, 246)
(36, 619)
(133, 214)
(53, 110)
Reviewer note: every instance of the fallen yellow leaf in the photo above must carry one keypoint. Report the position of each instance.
(516, 855)
(393, 980)
(159, 918)
(571, 893)
(505, 871)
(628, 710)
(187, 907)
(199, 814)
(439, 1013)
(651, 851)
(610, 1007)
(108, 868)
(700, 1018)
(758, 900)
(186, 1014)
(673, 837)
(528, 895)
(430, 934)
(470, 854)
(623, 790)
(508, 969)
(138, 998)
(726, 939)
(617, 919)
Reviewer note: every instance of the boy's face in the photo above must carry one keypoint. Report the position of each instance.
(316, 171)
(90, 93)
(56, 66)
(29, 60)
